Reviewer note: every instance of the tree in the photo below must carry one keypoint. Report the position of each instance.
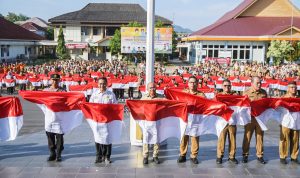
(1, 15)
(50, 33)
(14, 17)
(61, 50)
(280, 50)
(115, 43)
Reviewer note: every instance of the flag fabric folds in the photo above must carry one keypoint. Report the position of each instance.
(61, 109)
(11, 118)
(241, 107)
(105, 121)
(204, 116)
(159, 119)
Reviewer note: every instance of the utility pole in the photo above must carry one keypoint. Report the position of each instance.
(150, 41)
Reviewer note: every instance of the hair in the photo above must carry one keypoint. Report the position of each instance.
(103, 78)
(255, 77)
(193, 77)
(226, 80)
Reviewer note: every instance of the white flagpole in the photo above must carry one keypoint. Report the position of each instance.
(150, 41)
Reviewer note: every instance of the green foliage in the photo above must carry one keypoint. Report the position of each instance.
(1, 15)
(159, 24)
(50, 33)
(14, 17)
(280, 50)
(115, 43)
(61, 50)
(134, 24)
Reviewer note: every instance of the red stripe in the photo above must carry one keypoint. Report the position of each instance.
(234, 100)
(10, 107)
(103, 113)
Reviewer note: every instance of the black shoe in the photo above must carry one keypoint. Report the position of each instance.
(58, 159)
(107, 160)
(233, 160)
(181, 159)
(194, 160)
(52, 157)
(261, 160)
(245, 159)
(296, 161)
(145, 161)
(98, 160)
(283, 161)
(219, 160)
(156, 160)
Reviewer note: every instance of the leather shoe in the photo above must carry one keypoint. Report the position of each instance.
(283, 161)
(51, 158)
(296, 161)
(181, 159)
(145, 161)
(107, 160)
(261, 160)
(195, 160)
(156, 160)
(233, 160)
(58, 159)
(245, 159)
(219, 161)
(98, 160)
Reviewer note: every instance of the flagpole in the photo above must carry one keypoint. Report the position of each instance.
(150, 41)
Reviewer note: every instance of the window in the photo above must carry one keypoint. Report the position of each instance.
(247, 54)
(242, 47)
(110, 31)
(204, 46)
(235, 54)
(7, 51)
(96, 31)
(229, 46)
(25, 50)
(216, 46)
(260, 47)
(210, 46)
(2, 51)
(235, 46)
(216, 53)
(222, 46)
(210, 53)
(242, 54)
(248, 47)
(85, 31)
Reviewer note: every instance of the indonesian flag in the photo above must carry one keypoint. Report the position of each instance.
(61, 109)
(204, 116)
(241, 107)
(21, 79)
(264, 110)
(35, 82)
(11, 118)
(159, 119)
(289, 109)
(85, 89)
(9, 82)
(105, 121)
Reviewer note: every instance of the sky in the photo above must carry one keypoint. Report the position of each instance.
(192, 14)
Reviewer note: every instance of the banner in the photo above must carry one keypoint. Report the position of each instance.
(133, 40)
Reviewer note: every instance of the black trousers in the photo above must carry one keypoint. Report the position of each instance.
(103, 150)
(10, 90)
(130, 92)
(22, 86)
(55, 141)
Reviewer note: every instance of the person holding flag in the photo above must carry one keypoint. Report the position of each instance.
(192, 89)
(255, 92)
(151, 95)
(103, 96)
(229, 130)
(59, 144)
(289, 138)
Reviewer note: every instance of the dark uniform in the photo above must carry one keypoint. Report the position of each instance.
(254, 126)
(229, 130)
(194, 140)
(55, 140)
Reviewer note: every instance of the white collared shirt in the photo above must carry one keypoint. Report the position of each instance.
(106, 97)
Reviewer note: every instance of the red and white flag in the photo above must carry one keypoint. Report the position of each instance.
(204, 116)
(241, 107)
(11, 118)
(61, 109)
(264, 110)
(105, 121)
(289, 109)
(159, 119)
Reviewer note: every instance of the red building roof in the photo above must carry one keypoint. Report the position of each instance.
(249, 26)
(32, 27)
(12, 31)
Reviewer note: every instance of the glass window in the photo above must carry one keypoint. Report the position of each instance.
(7, 51)
(216, 53)
(25, 50)
(96, 31)
(248, 47)
(254, 47)
(110, 31)
(210, 53)
(235, 46)
(210, 46)
(2, 52)
(235, 54)
(242, 54)
(229, 46)
(260, 47)
(242, 46)
(247, 54)
(85, 31)
(204, 46)
(222, 46)
(216, 46)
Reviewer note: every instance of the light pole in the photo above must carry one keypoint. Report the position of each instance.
(150, 41)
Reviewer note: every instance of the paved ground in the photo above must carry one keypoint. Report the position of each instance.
(26, 156)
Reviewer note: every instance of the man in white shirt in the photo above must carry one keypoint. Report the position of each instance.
(103, 96)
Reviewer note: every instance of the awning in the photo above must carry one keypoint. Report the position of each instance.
(76, 45)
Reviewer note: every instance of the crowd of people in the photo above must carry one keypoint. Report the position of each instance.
(195, 80)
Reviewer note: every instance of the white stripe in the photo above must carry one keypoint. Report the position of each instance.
(106, 133)
(209, 95)
(241, 115)
(205, 124)
(289, 119)
(10, 127)
(61, 122)
(158, 131)
(269, 114)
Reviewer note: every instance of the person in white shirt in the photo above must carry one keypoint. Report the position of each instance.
(103, 96)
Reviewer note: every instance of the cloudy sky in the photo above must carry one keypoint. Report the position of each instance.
(193, 14)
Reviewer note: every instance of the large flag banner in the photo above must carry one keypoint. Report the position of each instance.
(241, 107)
(61, 109)
(11, 118)
(289, 109)
(264, 110)
(133, 40)
(204, 116)
(159, 119)
(105, 121)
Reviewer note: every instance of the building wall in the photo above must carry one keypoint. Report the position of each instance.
(271, 8)
(10, 50)
(294, 33)
(73, 34)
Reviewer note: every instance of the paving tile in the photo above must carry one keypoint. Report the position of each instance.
(68, 170)
(126, 171)
(257, 171)
(86, 175)
(125, 176)
(211, 171)
(66, 176)
(26, 175)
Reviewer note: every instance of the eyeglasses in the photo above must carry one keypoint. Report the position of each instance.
(227, 85)
(102, 83)
(152, 88)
